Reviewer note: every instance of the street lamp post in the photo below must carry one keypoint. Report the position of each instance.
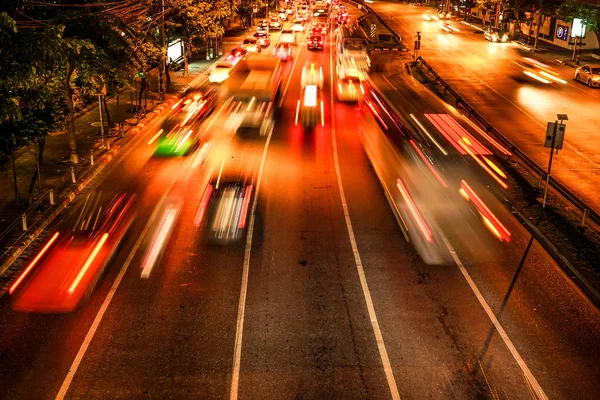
(555, 135)
(417, 43)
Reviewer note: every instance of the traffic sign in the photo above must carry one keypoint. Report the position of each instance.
(140, 75)
(559, 134)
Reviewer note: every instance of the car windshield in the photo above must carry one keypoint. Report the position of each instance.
(223, 66)
(250, 41)
(595, 70)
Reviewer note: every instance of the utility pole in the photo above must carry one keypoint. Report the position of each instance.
(539, 23)
(161, 64)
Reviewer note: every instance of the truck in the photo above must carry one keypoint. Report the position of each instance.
(254, 88)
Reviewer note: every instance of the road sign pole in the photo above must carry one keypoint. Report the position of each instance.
(101, 118)
(550, 163)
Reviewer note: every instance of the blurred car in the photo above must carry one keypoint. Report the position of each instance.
(316, 41)
(448, 27)
(239, 52)
(179, 135)
(226, 204)
(429, 16)
(283, 51)
(311, 75)
(495, 35)
(309, 108)
(322, 28)
(289, 11)
(263, 38)
(283, 16)
(263, 24)
(287, 36)
(539, 71)
(443, 14)
(588, 74)
(251, 45)
(298, 25)
(220, 72)
(72, 261)
(275, 24)
(350, 89)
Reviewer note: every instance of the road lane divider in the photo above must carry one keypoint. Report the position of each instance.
(64, 388)
(383, 354)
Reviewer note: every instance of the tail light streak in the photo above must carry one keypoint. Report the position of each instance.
(297, 112)
(444, 152)
(429, 165)
(158, 242)
(377, 114)
(423, 227)
(33, 263)
(489, 219)
(88, 262)
(494, 143)
(322, 114)
(485, 167)
(203, 206)
(244, 213)
(155, 136)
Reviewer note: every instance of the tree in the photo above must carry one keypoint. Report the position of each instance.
(192, 20)
(587, 10)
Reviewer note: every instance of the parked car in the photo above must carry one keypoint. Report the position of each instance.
(588, 74)
(251, 45)
(263, 39)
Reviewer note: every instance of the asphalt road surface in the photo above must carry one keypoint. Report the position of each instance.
(485, 75)
(325, 299)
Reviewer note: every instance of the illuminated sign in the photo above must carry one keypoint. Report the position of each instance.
(175, 50)
(562, 32)
(577, 28)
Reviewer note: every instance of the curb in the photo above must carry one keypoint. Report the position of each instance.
(71, 194)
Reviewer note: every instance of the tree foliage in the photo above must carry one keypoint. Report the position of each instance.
(586, 10)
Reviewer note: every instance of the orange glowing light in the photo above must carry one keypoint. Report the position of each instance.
(33, 263)
(486, 213)
(88, 262)
(245, 205)
(415, 212)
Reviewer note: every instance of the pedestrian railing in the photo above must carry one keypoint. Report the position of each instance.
(585, 212)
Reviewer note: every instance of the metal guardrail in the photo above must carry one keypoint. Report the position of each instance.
(586, 212)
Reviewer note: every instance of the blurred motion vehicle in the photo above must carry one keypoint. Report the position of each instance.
(283, 15)
(311, 75)
(350, 86)
(443, 14)
(351, 49)
(72, 261)
(283, 51)
(287, 36)
(262, 26)
(495, 35)
(161, 226)
(239, 52)
(429, 16)
(448, 27)
(220, 72)
(309, 108)
(254, 87)
(289, 11)
(264, 39)
(226, 204)
(251, 45)
(588, 74)
(298, 25)
(538, 71)
(316, 41)
(302, 12)
(179, 134)
(275, 24)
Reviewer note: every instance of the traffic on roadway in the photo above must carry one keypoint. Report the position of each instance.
(298, 226)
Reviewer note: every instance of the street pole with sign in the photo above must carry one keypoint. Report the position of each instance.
(555, 136)
(417, 43)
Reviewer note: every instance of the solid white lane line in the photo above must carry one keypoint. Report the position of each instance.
(383, 354)
(287, 85)
(530, 379)
(92, 331)
(239, 330)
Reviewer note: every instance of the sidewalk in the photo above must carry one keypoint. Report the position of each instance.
(56, 169)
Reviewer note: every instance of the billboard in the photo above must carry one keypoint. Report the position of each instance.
(577, 28)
